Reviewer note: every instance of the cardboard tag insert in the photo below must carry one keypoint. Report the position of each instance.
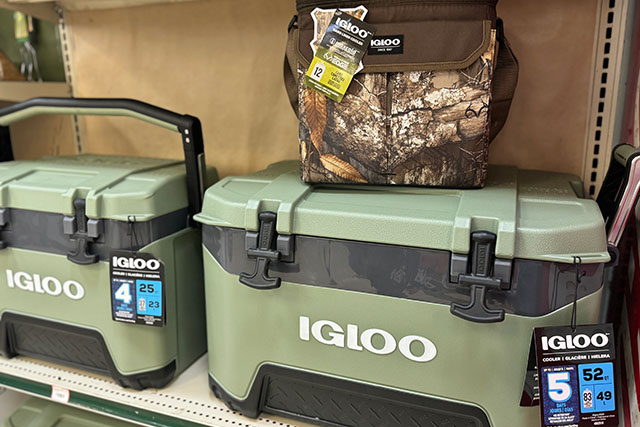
(576, 375)
(338, 56)
(137, 288)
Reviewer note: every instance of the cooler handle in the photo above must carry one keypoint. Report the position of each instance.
(619, 191)
(188, 127)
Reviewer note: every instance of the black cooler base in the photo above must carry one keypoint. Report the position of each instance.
(73, 346)
(330, 401)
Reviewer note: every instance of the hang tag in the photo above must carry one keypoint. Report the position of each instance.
(137, 288)
(338, 56)
(576, 375)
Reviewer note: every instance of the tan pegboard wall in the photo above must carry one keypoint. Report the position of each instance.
(222, 61)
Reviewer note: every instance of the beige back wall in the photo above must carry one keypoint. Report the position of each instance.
(221, 60)
(218, 60)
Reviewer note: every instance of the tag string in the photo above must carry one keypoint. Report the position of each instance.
(131, 220)
(577, 261)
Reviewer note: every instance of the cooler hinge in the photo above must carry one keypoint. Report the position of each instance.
(83, 231)
(4, 222)
(266, 246)
(484, 272)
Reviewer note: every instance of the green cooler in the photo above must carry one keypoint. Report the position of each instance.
(378, 306)
(65, 221)
(42, 413)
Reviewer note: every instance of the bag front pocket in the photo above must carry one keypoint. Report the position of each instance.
(422, 117)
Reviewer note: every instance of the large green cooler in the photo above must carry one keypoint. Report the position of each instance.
(42, 413)
(61, 219)
(378, 306)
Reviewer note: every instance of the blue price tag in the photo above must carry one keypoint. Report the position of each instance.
(149, 295)
(597, 393)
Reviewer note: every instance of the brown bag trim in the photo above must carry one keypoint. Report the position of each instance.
(294, 41)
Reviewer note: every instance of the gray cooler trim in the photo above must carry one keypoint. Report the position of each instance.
(45, 232)
(537, 288)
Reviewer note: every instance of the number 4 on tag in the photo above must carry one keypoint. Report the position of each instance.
(124, 293)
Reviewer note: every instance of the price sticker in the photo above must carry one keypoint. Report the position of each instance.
(60, 394)
(576, 376)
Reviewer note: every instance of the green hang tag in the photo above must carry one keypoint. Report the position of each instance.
(338, 56)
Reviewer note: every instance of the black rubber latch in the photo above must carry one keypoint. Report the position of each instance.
(264, 254)
(82, 253)
(482, 258)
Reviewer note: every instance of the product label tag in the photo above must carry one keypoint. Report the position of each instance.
(386, 45)
(338, 56)
(576, 375)
(137, 288)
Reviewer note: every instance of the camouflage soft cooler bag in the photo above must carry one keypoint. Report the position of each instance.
(419, 113)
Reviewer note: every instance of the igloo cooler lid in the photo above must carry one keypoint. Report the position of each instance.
(535, 215)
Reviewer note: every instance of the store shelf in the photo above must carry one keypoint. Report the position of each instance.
(187, 401)
(41, 10)
(20, 91)
(45, 5)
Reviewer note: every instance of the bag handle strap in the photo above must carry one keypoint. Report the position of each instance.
(188, 127)
(291, 66)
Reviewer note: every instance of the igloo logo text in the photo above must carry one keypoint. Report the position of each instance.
(44, 285)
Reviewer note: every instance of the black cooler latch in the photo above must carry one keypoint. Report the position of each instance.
(266, 246)
(481, 278)
(4, 221)
(83, 231)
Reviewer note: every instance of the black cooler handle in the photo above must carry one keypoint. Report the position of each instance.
(189, 128)
(619, 192)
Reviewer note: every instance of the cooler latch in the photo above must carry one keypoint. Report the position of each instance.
(84, 231)
(266, 246)
(480, 279)
(4, 221)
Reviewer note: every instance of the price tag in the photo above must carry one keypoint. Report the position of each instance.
(137, 288)
(60, 394)
(576, 376)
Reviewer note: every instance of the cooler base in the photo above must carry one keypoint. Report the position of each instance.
(73, 346)
(326, 400)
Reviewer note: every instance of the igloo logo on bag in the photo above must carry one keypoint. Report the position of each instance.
(330, 333)
(386, 42)
(44, 285)
(386, 45)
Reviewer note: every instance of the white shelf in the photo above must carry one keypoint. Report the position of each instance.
(187, 401)
(20, 91)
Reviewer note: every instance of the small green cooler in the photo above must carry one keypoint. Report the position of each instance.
(379, 306)
(64, 221)
(42, 413)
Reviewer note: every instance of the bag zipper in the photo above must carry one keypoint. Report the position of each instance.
(387, 118)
